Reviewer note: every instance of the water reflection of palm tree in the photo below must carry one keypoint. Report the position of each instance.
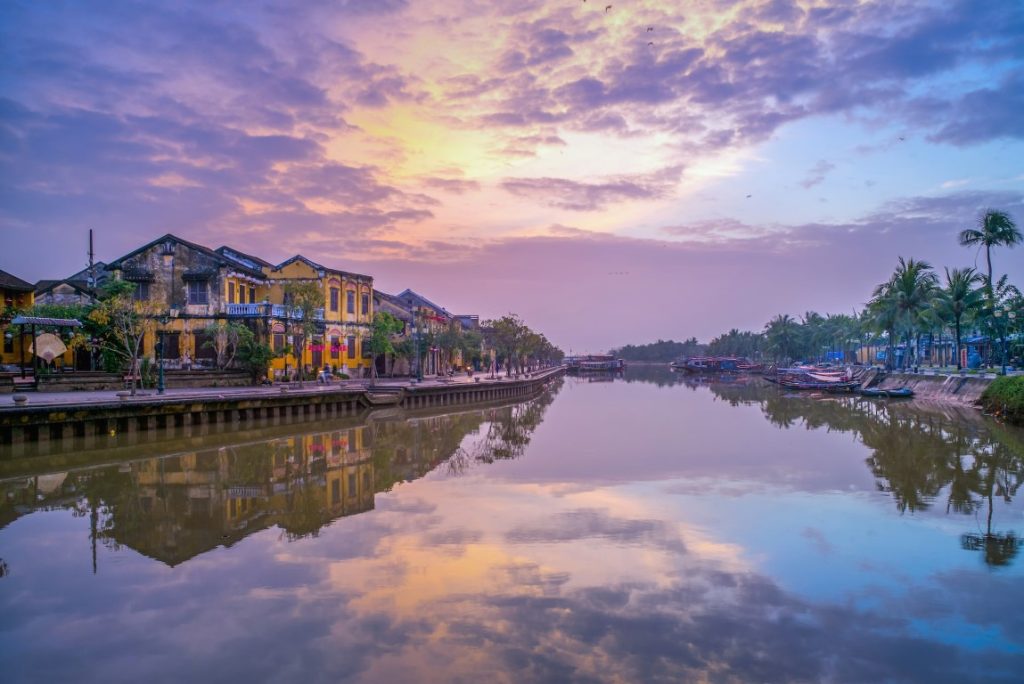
(917, 456)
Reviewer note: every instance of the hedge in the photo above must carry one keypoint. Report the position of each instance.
(1005, 398)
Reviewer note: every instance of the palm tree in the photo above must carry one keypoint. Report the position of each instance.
(995, 228)
(905, 298)
(781, 336)
(883, 316)
(958, 298)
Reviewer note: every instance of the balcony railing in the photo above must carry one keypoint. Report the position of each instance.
(264, 309)
(281, 311)
(245, 309)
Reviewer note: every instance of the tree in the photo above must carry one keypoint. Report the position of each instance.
(385, 326)
(124, 324)
(305, 298)
(958, 298)
(995, 229)
(510, 334)
(782, 337)
(906, 296)
(224, 338)
(254, 355)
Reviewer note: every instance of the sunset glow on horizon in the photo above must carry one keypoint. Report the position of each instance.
(654, 170)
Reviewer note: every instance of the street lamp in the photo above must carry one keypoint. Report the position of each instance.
(1002, 325)
(416, 325)
(160, 356)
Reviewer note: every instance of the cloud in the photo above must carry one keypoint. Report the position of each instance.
(817, 174)
(563, 193)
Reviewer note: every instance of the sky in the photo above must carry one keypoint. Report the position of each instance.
(614, 171)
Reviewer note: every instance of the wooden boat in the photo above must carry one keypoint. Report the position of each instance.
(839, 386)
(894, 393)
(716, 364)
(594, 363)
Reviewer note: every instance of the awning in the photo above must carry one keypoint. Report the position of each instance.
(58, 322)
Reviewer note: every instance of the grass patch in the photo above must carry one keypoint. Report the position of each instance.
(1005, 398)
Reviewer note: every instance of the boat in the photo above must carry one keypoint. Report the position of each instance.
(894, 393)
(838, 386)
(594, 363)
(716, 364)
(812, 378)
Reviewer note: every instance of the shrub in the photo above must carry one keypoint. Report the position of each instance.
(1005, 398)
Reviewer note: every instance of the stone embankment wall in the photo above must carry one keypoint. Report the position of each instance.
(952, 389)
(23, 429)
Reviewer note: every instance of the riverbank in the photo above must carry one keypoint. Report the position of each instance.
(88, 419)
(961, 390)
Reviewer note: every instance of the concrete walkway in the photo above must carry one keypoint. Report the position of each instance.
(179, 394)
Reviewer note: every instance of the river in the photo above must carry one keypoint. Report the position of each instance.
(652, 527)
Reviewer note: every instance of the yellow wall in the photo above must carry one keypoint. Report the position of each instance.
(19, 301)
(338, 321)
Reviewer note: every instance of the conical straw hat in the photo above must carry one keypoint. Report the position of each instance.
(48, 346)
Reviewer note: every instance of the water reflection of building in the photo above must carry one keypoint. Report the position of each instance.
(174, 508)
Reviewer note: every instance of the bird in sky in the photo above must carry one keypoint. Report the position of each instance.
(902, 138)
(650, 28)
(650, 43)
(606, 8)
(749, 196)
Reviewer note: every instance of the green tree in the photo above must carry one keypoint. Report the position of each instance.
(253, 354)
(124, 324)
(902, 300)
(224, 339)
(380, 341)
(510, 335)
(995, 229)
(305, 299)
(782, 337)
(957, 299)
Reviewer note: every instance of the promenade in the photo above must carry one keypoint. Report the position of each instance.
(85, 419)
(89, 398)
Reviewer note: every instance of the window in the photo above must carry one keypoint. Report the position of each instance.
(198, 292)
(141, 293)
(231, 292)
(278, 341)
(366, 305)
(9, 343)
(351, 302)
(352, 347)
(252, 295)
(334, 298)
(172, 345)
(205, 348)
(335, 346)
(335, 491)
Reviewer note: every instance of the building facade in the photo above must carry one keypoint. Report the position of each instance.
(16, 296)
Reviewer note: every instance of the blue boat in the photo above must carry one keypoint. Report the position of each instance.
(894, 393)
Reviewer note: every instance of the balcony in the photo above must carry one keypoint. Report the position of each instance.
(246, 310)
(263, 309)
(282, 311)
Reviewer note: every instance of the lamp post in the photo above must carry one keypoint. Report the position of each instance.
(416, 324)
(1003, 318)
(160, 386)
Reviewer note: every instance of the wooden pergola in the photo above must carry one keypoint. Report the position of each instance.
(34, 322)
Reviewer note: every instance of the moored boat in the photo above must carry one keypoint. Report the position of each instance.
(595, 363)
(716, 364)
(894, 393)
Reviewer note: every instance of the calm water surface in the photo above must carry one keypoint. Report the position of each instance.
(637, 530)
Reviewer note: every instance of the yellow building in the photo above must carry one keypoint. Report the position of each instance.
(188, 287)
(342, 322)
(17, 296)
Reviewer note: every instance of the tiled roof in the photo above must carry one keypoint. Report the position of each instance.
(14, 283)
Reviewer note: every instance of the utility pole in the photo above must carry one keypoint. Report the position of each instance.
(92, 265)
